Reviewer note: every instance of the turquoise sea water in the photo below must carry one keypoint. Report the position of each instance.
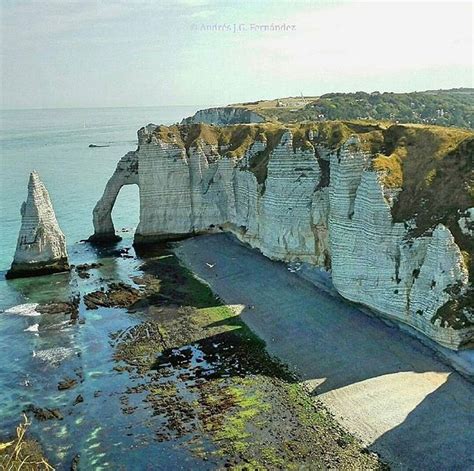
(36, 352)
(55, 143)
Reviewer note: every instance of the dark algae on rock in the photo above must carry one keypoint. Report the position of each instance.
(117, 295)
(215, 389)
(44, 413)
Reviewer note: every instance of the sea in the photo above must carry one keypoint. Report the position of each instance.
(37, 351)
(55, 143)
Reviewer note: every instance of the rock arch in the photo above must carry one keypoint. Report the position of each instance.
(126, 173)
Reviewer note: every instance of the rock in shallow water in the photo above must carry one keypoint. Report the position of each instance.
(117, 295)
(67, 383)
(41, 246)
(78, 399)
(44, 414)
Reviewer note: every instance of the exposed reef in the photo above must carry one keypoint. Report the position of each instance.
(117, 295)
(383, 207)
(41, 247)
(208, 379)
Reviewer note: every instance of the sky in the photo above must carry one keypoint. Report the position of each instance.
(64, 54)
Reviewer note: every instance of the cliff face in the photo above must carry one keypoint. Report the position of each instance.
(316, 193)
(41, 246)
(223, 116)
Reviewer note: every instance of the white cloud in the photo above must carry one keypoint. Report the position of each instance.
(137, 52)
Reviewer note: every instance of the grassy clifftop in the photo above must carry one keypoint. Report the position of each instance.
(441, 107)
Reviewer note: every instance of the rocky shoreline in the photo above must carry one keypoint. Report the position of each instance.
(190, 365)
(202, 369)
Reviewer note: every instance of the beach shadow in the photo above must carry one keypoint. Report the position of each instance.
(351, 357)
(437, 434)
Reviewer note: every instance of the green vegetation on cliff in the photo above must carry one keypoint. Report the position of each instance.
(442, 107)
(22, 452)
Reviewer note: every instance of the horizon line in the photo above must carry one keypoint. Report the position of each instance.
(97, 107)
(229, 104)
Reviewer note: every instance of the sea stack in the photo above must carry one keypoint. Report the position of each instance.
(41, 246)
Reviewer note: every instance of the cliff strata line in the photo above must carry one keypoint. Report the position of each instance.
(325, 194)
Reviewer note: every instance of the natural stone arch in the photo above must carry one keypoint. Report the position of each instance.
(126, 173)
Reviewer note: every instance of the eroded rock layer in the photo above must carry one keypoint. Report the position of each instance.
(41, 246)
(329, 194)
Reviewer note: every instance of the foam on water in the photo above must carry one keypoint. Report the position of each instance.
(28, 309)
(32, 328)
(55, 354)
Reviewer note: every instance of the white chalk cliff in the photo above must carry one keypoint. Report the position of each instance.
(223, 116)
(41, 246)
(316, 203)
